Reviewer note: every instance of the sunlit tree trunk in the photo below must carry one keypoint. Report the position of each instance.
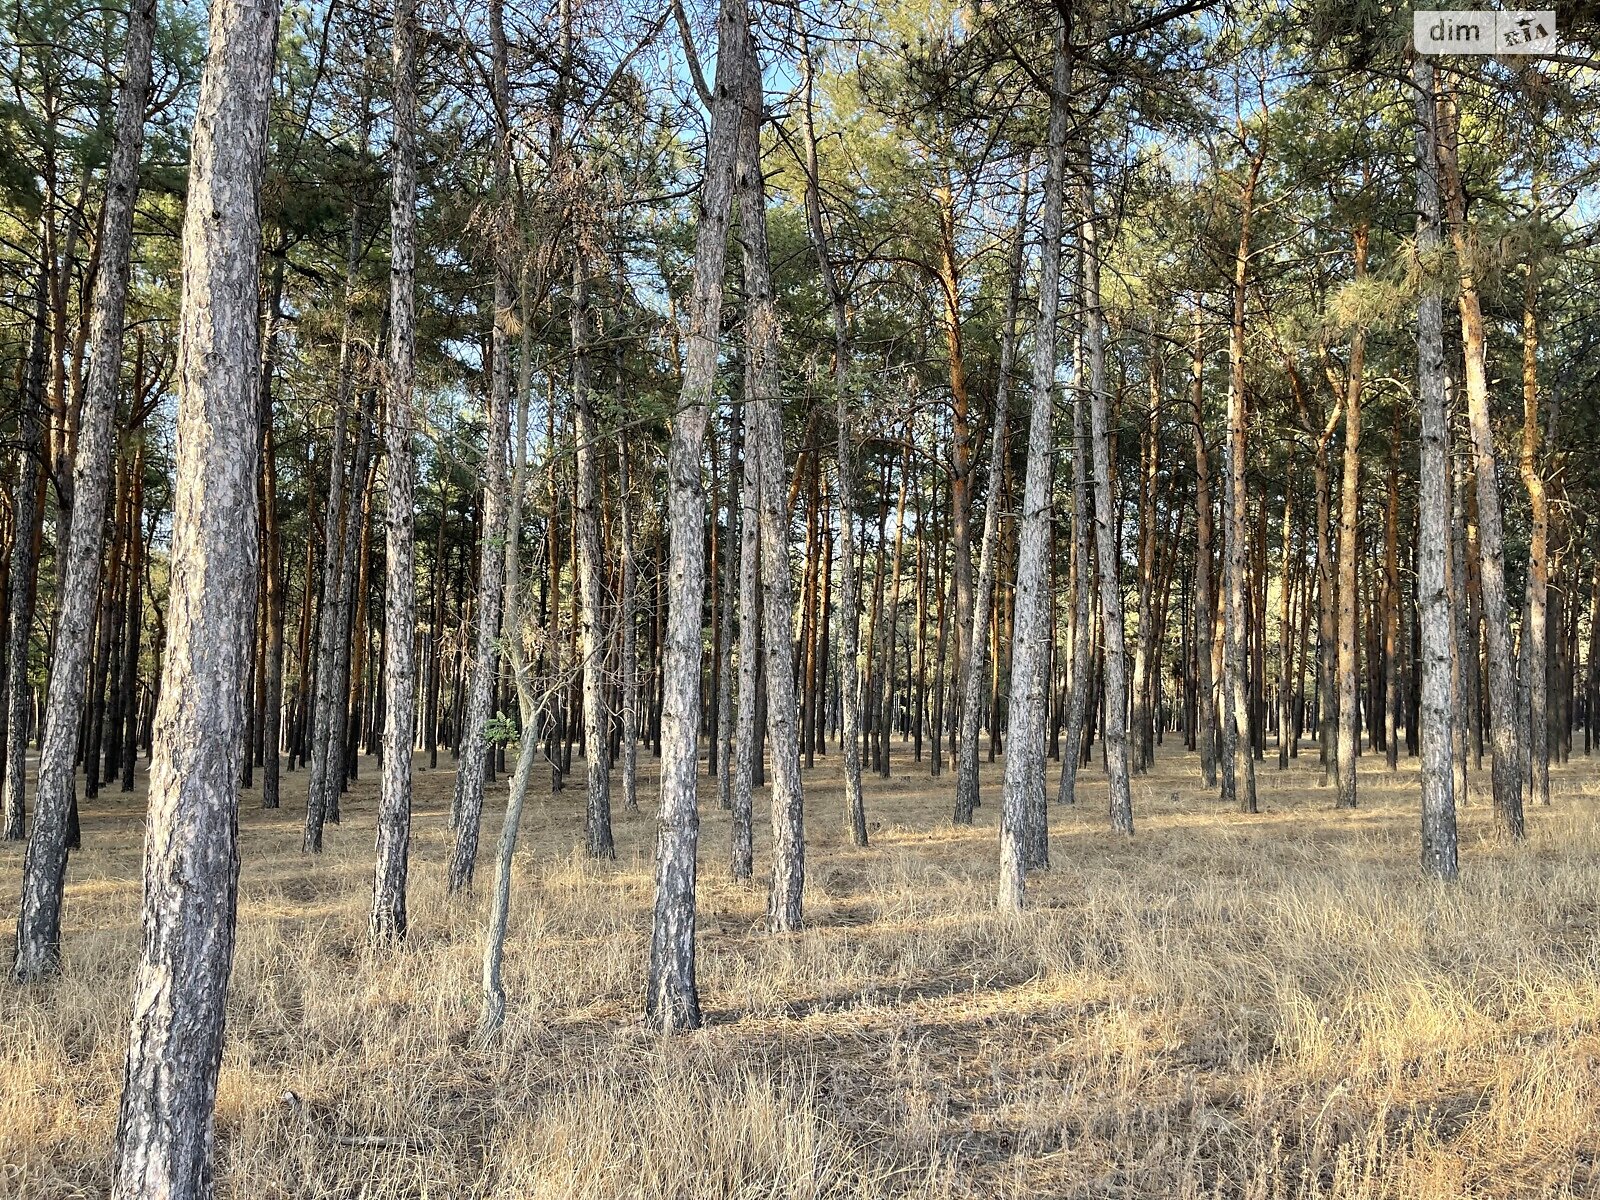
(672, 1000)
(1537, 631)
(1436, 742)
(1023, 835)
(1503, 717)
(1115, 726)
(849, 609)
(1240, 769)
(44, 868)
(763, 399)
(467, 804)
(1349, 528)
(388, 920)
(975, 668)
(164, 1127)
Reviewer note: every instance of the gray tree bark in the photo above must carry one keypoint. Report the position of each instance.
(1115, 723)
(388, 920)
(672, 1001)
(592, 629)
(1204, 609)
(1506, 773)
(763, 399)
(1349, 525)
(1023, 839)
(24, 572)
(467, 803)
(849, 608)
(1437, 743)
(1239, 769)
(741, 861)
(530, 706)
(191, 870)
(44, 869)
(975, 669)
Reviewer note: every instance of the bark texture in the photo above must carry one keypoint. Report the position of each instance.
(388, 920)
(44, 868)
(164, 1126)
(672, 1001)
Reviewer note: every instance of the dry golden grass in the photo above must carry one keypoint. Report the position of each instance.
(1270, 1006)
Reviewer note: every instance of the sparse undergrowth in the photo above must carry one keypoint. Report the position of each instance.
(1271, 1006)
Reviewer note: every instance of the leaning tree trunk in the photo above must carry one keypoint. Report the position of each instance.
(1503, 716)
(467, 807)
(1436, 741)
(672, 1001)
(976, 667)
(1115, 728)
(777, 601)
(849, 610)
(26, 516)
(44, 869)
(191, 871)
(388, 920)
(592, 631)
(1023, 835)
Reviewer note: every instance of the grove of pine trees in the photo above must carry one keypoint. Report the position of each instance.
(630, 408)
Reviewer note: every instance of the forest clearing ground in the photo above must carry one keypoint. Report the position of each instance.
(1276, 1005)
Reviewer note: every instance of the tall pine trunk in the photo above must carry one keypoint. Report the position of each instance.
(45, 865)
(388, 919)
(1436, 741)
(672, 1001)
(191, 872)
(1023, 834)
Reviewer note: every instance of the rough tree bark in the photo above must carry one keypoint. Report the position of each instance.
(1023, 838)
(44, 868)
(592, 630)
(1436, 740)
(1536, 635)
(1506, 774)
(467, 802)
(1240, 767)
(849, 608)
(777, 602)
(975, 669)
(672, 1001)
(1115, 729)
(1349, 527)
(388, 920)
(26, 516)
(191, 871)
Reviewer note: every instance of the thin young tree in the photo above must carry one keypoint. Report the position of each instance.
(165, 1134)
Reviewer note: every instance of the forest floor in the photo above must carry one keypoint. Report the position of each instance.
(1266, 1006)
